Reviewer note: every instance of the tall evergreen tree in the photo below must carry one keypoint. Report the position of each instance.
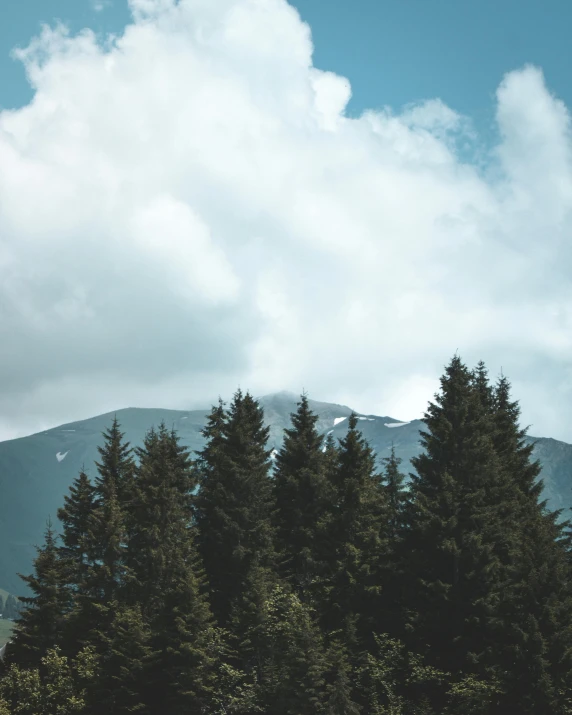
(116, 467)
(107, 577)
(458, 505)
(169, 581)
(395, 564)
(538, 605)
(235, 504)
(209, 502)
(94, 521)
(75, 518)
(110, 524)
(358, 542)
(95, 537)
(300, 488)
(395, 494)
(40, 623)
(161, 513)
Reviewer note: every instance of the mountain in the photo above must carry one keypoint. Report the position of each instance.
(36, 471)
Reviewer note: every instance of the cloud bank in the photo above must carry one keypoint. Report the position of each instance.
(186, 208)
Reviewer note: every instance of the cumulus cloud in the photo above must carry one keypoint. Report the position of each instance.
(187, 207)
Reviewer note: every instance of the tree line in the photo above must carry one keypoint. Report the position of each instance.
(219, 583)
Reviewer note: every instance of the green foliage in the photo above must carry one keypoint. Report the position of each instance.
(457, 542)
(265, 595)
(301, 491)
(56, 687)
(339, 690)
(537, 658)
(116, 468)
(358, 543)
(292, 655)
(169, 585)
(472, 696)
(75, 518)
(125, 654)
(393, 482)
(40, 624)
(236, 692)
(235, 505)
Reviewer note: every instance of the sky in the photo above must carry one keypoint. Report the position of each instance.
(331, 197)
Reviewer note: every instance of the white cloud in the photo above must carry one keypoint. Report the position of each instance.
(188, 207)
(100, 5)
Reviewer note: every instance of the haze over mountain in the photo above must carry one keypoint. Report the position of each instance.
(36, 471)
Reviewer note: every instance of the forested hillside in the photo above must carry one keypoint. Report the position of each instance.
(213, 583)
(37, 471)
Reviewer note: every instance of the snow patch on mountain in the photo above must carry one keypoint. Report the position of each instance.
(338, 420)
(395, 424)
(60, 456)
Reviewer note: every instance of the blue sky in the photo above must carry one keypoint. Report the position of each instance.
(206, 171)
(393, 51)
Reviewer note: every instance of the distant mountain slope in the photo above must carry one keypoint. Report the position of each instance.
(36, 471)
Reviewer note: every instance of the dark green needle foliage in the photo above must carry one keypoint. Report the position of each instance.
(395, 492)
(235, 505)
(323, 588)
(456, 574)
(40, 624)
(358, 543)
(301, 496)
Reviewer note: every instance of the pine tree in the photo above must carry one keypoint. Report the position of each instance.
(208, 511)
(75, 518)
(395, 495)
(116, 468)
(95, 533)
(110, 524)
(538, 605)
(161, 514)
(95, 524)
(235, 505)
(358, 542)
(168, 579)
(459, 500)
(300, 489)
(396, 564)
(40, 623)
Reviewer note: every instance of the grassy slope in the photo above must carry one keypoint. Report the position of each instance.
(5, 630)
(5, 626)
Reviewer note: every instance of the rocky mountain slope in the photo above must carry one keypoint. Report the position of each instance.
(36, 471)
